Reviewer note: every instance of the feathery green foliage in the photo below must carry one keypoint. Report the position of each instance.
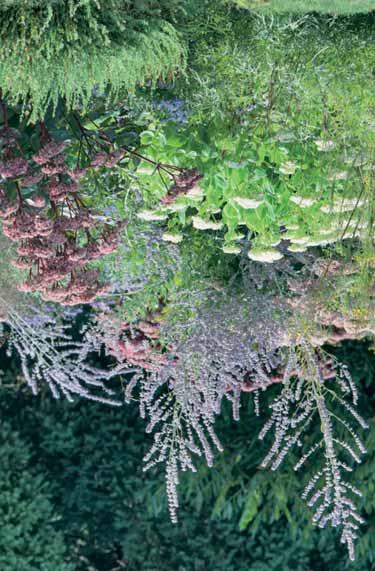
(65, 51)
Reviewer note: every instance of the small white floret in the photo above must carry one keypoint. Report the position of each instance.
(324, 146)
(151, 215)
(268, 255)
(301, 201)
(289, 167)
(247, 203)
(201, 224)
(174, 238)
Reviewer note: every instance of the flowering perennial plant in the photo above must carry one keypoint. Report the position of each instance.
(308, 392)
(206, 359)
(54, 228)
(49, 354)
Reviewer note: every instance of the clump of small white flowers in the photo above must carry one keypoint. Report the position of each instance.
(267, 255)
(151, 215)
(339, 175)
(353, 202)
(275, 242)
(177, 207)
(344, 227)
(323, 241)
(301, 241)
(343, 205)
(356, 223)
(289, 167)
(302, 201)
(174, 238)
(356, 161)
(352, 233)
(201, 224)
(237, 236)
(328, 231)
(330, 208)
(324, 145)
(195, 193)
(247, 203)
(297, 248)
(231, 249)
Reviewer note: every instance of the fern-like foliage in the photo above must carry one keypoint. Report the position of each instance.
(306, 396)
(66, 51)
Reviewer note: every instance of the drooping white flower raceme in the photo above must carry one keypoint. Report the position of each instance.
(209, 359)
(307, 395)
(49, 354)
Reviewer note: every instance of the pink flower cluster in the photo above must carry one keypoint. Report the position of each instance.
(182, 184)
(135, 344)
(50, 151)
(107, 159)
(54, 231)
(13, 167)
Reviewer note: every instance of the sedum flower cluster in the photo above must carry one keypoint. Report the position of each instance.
(54, 228)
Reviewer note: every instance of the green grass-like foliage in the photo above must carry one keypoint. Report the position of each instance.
(303, 6)
(66, 50)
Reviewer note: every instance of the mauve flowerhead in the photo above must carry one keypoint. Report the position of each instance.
(37, 201)
(114, 158)
(22, 263)
(7, 208)
(99, 160)
(32, 179)
(77, 174)
(49, 151)
(56, 166)
(13, 168)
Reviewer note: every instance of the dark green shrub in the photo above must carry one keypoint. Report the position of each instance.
(29, 540)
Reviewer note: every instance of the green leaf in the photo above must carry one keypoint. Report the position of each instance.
(253, 502)
(147, 137)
